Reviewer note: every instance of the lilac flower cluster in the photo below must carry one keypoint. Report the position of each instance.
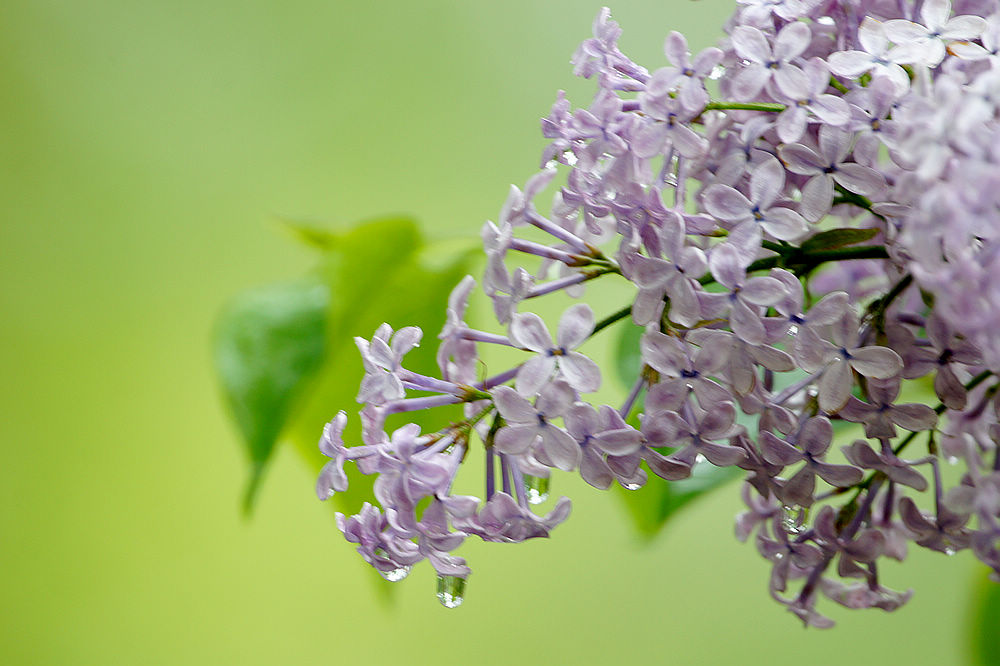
(810, 217)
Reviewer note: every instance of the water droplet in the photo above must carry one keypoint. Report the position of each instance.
(537, 488)
(631, 486)
(793, 330)
(699, 459)
(451, 591)
(717, 72)
(395, 575)
(949, 550)
(952, 460)
(791, 519)
(825, 20)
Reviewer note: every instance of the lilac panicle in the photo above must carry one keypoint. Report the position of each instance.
(810, 243)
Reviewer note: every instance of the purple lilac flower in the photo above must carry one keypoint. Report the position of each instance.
(768, 300)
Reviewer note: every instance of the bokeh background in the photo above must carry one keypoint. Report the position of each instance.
(148, 150)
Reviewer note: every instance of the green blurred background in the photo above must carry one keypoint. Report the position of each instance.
(148, 150)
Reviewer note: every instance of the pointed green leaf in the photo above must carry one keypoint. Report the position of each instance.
(379, 271)
(837, 238)
(269, 341)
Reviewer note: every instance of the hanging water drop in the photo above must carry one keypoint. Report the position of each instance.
(451, 591)
(632, 486)
(537, 488)
(791, 519)
(395, 575)
(949, 550)
(952, 460)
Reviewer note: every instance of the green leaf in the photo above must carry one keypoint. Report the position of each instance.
(651, 506)
(268, 342)
(379, 271)
(985, 639)
(628, 357)
(837, 238)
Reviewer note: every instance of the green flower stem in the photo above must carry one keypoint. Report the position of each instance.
(744, 106)
(802, 262)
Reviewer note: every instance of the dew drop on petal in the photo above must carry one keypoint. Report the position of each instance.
(537, 488)
(451, 591)
(952, 460)
(631, 486)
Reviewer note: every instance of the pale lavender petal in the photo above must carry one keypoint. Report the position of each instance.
(556, 399)
(876, 362)
(860, 179)
(817, 197)
(831, 109)
(726, 265)
(581, 372)
(513, 407)
(791, 41)
(914, 417)
(516, 438)
(746, 323)
(828, 309)
(748, 82)
(801, 160)
(777, 451)
(726, 203)
(534, 373)
(841, 476)
(766, 182)
(722, 455)
(784, 224)
(688, 142)
(816, 436)
(528, 330)
(560, 447)
(791, 123)
(751, 44)
(763, 291)
(575, 326)
(620, 442)
(850, 64)
(835, 386)
(595, 470)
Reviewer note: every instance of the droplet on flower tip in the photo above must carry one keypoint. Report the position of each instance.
(451, 591)
(952, 460)
(717, 72)
(395, 575)
(537, 488)
(826, 20)
(631, 486)
(949, 550)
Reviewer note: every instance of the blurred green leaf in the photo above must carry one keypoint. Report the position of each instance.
(651, 506)
(268, 343)
(837, 238)
(379, 271)
(628, 358)
(985, 639)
